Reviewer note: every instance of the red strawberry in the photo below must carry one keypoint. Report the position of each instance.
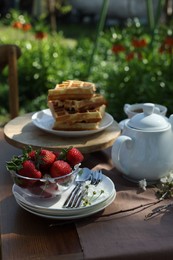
(74, 156)
(32, 155)
(29, 170)
(57, 154)
(60, 168)
(45, 159)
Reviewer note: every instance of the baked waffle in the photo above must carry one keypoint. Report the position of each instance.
(89, 119)
(75, 127)
(77, 105)
(72, 89)
(71, 117)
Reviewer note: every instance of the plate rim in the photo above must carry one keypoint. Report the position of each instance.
(70, 133)
(68, 217)
(66, 210)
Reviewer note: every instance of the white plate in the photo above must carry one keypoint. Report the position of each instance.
(54, 205)
(44, 120)
(92, 211)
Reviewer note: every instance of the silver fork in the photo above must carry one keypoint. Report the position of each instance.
(96, 177)
(81, 178)
(74, 200)
(79, 196)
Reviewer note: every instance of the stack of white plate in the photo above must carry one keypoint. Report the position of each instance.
(53, 207)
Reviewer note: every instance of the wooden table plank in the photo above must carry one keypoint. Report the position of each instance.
(24, 235)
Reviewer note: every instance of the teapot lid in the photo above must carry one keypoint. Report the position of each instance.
(148, 120)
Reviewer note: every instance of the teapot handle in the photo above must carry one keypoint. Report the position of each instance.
(116, 149)
(126, 107)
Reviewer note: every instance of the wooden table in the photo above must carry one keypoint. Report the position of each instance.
(25, 236)
(118, 232)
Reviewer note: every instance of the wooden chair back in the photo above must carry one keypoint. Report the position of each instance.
(9, 54)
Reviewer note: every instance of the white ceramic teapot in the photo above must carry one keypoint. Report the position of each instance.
(144, 150)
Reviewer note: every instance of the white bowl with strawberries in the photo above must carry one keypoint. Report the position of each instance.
(43, 173)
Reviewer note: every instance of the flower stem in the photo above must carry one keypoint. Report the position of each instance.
(101, 23)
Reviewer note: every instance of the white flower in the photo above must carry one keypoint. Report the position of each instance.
(164, 179)
(143, 184)
(168, 178)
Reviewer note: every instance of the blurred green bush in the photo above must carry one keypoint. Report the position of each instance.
(131, 65)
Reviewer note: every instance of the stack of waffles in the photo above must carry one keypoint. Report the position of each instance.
(75, 105)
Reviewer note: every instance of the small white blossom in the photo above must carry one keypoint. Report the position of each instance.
(168, 178)
(164, 179)
(143, 184)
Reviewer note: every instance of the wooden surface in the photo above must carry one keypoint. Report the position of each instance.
(21, 132)
(24, 235)
(4, 54)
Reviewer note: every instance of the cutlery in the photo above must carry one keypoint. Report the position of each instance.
(97, 176)
(81, 178)
(79, 196)
(78, 193)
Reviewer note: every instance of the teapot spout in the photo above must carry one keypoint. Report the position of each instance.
(171, 120)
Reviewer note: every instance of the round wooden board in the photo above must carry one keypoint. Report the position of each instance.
(21, 132)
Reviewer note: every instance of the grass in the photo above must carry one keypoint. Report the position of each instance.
(17, 34)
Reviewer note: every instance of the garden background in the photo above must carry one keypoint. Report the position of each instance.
(130, 62)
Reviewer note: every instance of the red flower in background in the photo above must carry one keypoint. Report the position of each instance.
(26, 27)
(17, 25)
(118, 48)
(130, 56)
(167, 45)
(40, 35)
(139, 43)
(169, 41)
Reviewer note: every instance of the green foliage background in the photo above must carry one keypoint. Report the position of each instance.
(44, 63)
